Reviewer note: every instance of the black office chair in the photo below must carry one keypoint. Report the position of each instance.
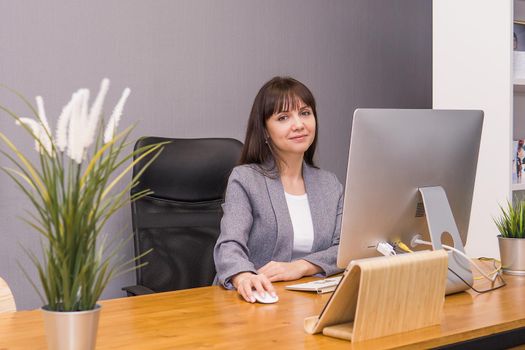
(181, 220)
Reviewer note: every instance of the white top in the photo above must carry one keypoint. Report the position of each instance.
(303, 228)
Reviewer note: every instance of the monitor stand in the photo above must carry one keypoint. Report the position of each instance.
(440, 220)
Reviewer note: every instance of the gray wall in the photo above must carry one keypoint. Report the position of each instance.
(194, 68)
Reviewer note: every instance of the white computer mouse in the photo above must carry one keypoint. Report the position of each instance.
(265, 298)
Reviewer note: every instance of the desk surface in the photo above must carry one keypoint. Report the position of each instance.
(211, 317)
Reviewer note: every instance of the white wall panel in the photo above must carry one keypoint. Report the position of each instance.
(472, 47)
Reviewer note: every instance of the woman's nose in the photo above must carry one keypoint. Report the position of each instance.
(297, 123)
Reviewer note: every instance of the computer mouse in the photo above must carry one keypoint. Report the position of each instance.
(265, 298)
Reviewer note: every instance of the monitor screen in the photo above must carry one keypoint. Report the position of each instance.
(393, 153)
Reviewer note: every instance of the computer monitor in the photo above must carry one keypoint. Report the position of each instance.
(409, 170)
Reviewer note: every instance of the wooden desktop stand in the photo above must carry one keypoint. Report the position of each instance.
(387, 295)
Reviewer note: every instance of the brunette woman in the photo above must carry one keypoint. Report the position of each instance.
(282, 214)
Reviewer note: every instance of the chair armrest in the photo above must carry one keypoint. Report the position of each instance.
(137, 290)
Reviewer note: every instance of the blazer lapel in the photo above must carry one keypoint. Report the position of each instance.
(284, 245)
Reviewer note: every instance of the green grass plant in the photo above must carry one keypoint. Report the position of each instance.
(511, 223)
(72, 200)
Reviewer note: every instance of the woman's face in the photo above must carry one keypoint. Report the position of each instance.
(292, 132)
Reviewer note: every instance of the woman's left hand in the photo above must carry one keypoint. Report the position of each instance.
(288, 271)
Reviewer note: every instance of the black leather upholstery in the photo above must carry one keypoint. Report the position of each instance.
(181, 220)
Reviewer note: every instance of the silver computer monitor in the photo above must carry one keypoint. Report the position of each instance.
(395, 156)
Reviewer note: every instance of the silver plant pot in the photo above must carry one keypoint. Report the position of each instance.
(512, 253)
(71, 330)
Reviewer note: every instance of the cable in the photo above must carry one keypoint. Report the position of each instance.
(385, 248)
(497, 268)
(420, 241)
(480, 291)
(397, 243)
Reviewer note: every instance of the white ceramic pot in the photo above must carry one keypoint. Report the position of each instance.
(71, 330)
(512, 253)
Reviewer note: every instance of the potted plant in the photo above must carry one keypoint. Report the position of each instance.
(511, 225)
(73, 191)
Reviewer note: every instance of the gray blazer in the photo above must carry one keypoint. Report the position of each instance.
(256, 227)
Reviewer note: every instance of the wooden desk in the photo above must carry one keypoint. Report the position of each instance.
(214, 318)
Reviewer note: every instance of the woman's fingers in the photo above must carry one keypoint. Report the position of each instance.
(246, 290)
(271, 272)
(267, 284)
(276, 278)
(259, 283)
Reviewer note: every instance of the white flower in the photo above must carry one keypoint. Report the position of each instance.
(62, 124)
(84, 121)
(45, 134)
(95, 112)
(76, 131)
(42, 113)
(77, 124)
(89, 122)
(115, 116)
(39, 133)
(40, 129)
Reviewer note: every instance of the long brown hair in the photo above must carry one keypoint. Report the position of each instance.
(277, 95)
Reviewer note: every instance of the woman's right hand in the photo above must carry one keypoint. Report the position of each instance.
(246, 282)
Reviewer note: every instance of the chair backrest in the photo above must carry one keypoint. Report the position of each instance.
(7, 301)
(180, 221)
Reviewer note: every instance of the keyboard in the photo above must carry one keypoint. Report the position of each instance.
(319, 286)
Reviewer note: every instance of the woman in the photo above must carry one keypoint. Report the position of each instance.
(282, 214)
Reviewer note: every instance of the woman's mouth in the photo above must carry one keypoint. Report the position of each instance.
(298, 138)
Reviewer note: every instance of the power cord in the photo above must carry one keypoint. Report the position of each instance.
(416, 241)
(497, 267)
(503, 283)
(397, 243)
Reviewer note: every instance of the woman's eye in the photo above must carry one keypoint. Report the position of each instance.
(306, 113)
(282, 118)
